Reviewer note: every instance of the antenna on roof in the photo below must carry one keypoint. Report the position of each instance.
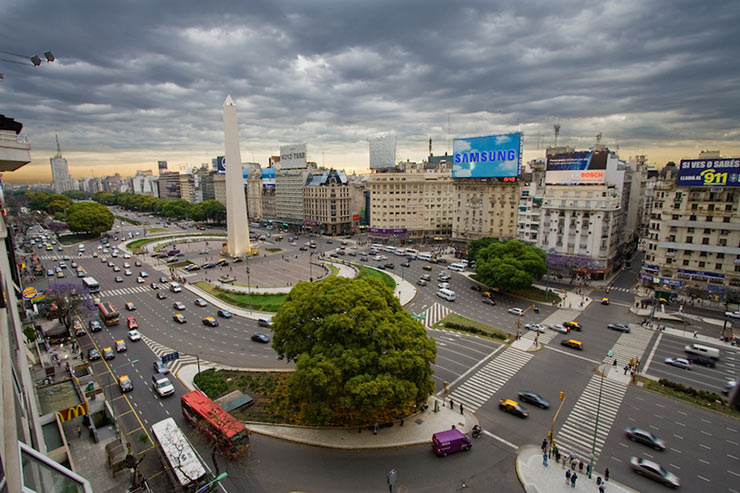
(557, 132)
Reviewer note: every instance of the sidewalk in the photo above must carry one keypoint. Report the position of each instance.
(537, 478)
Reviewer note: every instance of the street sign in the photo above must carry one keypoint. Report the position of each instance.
(610, 353)
(391, 476)
(170, 357)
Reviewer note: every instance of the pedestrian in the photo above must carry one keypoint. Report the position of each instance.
(573, 465)
(573, 480)
(452, 404)
(461, 408)
(79, 431)
(544, 459)
(695, 334)
(615, 363)
(626, 369)
(580, 465)
(544, 444)
(567, 476)
(606, 474)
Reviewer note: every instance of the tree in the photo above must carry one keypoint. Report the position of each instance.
(76, 194)
(66, 299)
(475, 246)
(573, 266)
(89, 217)
(56, 227)
(176, 208)
(105, 198)
(360, 357)
(510, 265)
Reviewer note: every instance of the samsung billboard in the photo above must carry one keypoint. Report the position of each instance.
(492, 156)
(293, 156)
(576, 168)
(709, 173)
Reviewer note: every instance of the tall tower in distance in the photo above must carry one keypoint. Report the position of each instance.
(61, 181)
(237, 225)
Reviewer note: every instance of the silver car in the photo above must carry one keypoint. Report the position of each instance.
(654, 471)
(679, 363)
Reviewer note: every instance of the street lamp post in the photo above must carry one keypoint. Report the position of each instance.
(218, 478)
(598, 414)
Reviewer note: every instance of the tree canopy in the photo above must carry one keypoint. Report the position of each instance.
(360, 357)
(208, 210)
(67, 298)
(510, 265)
(475, 246)
(89, 217)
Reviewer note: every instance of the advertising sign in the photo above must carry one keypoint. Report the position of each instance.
(576, 168)
(293, 156)
(29, 293)
(709, 173)
(382, 152)
(73, 412)
(162, 165)
(492, 156)
(268, 178)
(221, 164)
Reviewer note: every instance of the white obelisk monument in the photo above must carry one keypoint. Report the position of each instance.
(237, 225)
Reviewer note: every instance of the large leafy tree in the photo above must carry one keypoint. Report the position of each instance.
(105, 198)
(360, 357)
(475, 246)
(76, 194)
(176, 208)
(208, 210)
(89, 217)
(510, 265)
(67, 299)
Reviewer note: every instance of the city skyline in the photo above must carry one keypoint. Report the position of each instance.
(124, 96)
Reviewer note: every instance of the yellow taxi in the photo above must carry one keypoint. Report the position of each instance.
(179, 318)
(120, 346)
(108, 353)
(572, 343)
(604, 301)
(125, 383)
(512, 407)
(427, 267)
(573, 325)
(130, 306)
(210, 321)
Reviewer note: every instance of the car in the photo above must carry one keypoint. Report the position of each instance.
(558, 328)
(95, 254)
(93, 354)
(515, 311)
(619, 327)
(224, 313)
(488, 301)
(265, 322)
(160, 368)
(363, 259)
(128, 272)
(573, 325)
(303, 248)
(162, 386)
(534, 398)
(116, 268)
(126, 255)
(443, 277)
(140, 280)
(654, 471)
(179, 318)
(729, 386)
(421, 282)
(572, 343)
(389, 266)
(143, 274)
(60, 275)
(732, 315)
(381, 267)
(137, 263)
(604, 301)
(154, 285)
(50, 272)
(679, 363)
(427, 267)
(512, 407)
(210, 321)
(443, 285)
(103, 260)
(200, 302)
(95, 326)
(701, 360)
(79, 330)
(535, 327)
(161, 295)
(644, 437)
(330, 242)
(134, 335)
(162, 280)
(131, 323)
(120, 346)
(178, 305)
(130, 306)
(262, 338)
(108, 353)
(111, 264)
(74, 265)
(125, 383)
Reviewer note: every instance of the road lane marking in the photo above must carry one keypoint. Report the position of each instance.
(732, 457)
(680, 424)
(675, 466)
(681, 412)
(705, 432)
(676, 450)
(505, 442)
(704, 461)
(706, 420)
(730, 441)
(730, 429)
(574, 355)
(705, 446)
(702, 477)
(678, 436)
(733, 472)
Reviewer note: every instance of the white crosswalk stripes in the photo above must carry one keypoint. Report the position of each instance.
(577, 433)
(108, 293)
(434, 314)
(485, 382)
(160, 350)
(628, 346)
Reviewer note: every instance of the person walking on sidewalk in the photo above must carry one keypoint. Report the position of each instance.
(567, 476)
(606, 474)
(461, 408)
(602, 488)
(544, 459)
(544, 445)
(79, 431)
(573, 480)
(452, 404)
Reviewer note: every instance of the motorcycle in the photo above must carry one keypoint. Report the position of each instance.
(476, 433)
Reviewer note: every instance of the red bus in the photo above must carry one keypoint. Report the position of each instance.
(108, 313)
(229, 434)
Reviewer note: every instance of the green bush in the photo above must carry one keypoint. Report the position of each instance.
(703, 395)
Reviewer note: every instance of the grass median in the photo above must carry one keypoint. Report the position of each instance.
(259, 302)
(136, 245)
(458, 322)
(701, 398)
(381, 276)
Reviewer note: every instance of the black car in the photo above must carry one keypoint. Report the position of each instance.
(389, 266)
(303, 248)
(208, 265)
(161, 295)
(405, 264)
(476, 287)
(701, 360)
(93, 354)
(534, 398)
(95, 326)
(260, 338)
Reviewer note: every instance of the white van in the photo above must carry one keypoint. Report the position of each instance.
(446, 294)
(400, 252)
(376, 246)
(710, 352)
(424, 256)
(389, 249)
(411, 253)
(463, 262)
(175, 287)
(458, 267)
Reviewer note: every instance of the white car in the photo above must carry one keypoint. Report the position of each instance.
(134, 335)
(559, 328)
(128, 272)
(140, 280)
(126, 255)
(515, 311)
(443, 285)
(144, 274)
(535, 327)
(162, 385)
(126, 265)
(679, 363)
(732, 314)
(378, 258)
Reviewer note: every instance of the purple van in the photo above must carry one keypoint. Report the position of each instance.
(450, 441)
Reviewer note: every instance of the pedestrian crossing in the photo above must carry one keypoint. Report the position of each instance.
(434, 314)
(485, 382)
(577, 432)
(108, 293)
(629, 345)
(160, 350)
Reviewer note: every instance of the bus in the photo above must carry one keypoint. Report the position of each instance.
(91, 284)
(181, 462)
(108, 313)
(227, 433)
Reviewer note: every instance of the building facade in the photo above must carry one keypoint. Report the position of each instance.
(484, 208)
(168, 185)
(61, 179)
(187, 188)
(327, 203)
(531, 194)
(144, 183)
(253, 187)
(289, 186)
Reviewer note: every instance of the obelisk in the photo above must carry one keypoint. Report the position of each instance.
(237, 224)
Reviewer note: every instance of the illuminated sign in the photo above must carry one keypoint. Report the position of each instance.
(576, 168)
(709, 173)
(492, 156)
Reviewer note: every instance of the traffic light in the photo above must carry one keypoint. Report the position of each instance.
(562, 396)
(549, 436)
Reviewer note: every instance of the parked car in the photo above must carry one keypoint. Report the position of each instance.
(644, 437)
(534, 398)
(654, 471)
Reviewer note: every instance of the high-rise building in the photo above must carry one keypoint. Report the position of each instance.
(289, 185)
(530, 202)
(61, 180)
(187, 187)
(169, 185)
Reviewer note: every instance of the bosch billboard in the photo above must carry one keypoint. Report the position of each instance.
(492, 156)
(709, 173)
(576, 168)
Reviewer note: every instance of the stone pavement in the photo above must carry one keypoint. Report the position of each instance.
(536, 478)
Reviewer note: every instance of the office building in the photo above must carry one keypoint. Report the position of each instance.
(289, 185)
(253, 189)
(187, 187)
(169, 185)
(61, 179)
(327, 202)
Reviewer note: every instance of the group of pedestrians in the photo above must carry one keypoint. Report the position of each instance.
(572, 462)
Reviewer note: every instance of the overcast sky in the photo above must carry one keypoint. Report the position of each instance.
(136, 82)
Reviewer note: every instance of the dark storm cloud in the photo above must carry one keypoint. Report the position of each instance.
(153, 75)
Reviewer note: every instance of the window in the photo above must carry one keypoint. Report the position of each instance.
(718, 266)
(690, 230)
(705, 241)
(689, 239)
(694, 207)
(707, 231)
(692, 217)
(702, 264)
(685, 263)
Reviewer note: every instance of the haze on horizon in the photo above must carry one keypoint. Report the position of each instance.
(656, 78)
